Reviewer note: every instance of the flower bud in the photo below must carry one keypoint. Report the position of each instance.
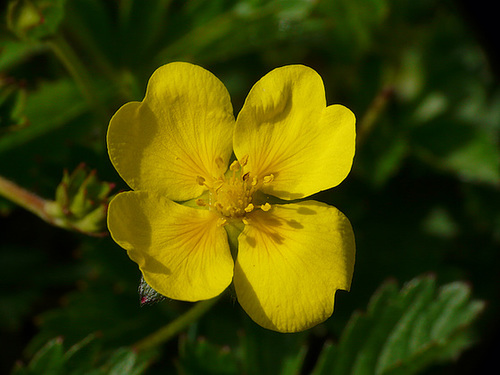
(81, 201)
(34, 19)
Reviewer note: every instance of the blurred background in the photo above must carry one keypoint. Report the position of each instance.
(423, 194)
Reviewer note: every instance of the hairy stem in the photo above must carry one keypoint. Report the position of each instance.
(173, 328)
(374, 111)
(77, 70)
(25, 199)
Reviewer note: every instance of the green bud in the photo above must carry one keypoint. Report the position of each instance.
(22, 17)
(34, 19)
(81, 201)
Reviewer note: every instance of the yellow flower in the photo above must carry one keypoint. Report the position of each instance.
(191, 199)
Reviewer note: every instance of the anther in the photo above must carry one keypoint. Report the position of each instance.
(246, 176)
(265, 207)
(268, 179)
(219, 162)
(254, 181)
(249, 208)
(235, 166)
(200, 202)
(221, 222)
(200, 180)
(244, 160)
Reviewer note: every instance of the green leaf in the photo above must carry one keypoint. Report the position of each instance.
(84, 358)
(464, 149)
(219, 34)
(268, 352)
(122, 362)
(198, 356)
(50, 107)
(293, 364)
(14, 52)
(48, 360)
(81, 357)
(404, 331)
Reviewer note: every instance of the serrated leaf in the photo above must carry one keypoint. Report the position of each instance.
(404, 332)
(122, 362)
(49, 359)
(85, 358)
(80, 357)
(198, 356)
(51, 106)
(266, 352)
(293, 364)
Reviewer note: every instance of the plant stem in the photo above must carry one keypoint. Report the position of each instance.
(375, 109)
(170, 330)
(76, 69)
(25, 199)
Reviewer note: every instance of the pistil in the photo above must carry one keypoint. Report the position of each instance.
(231, 195)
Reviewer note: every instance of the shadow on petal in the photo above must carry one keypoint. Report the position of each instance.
(151, 265)
(247, 293)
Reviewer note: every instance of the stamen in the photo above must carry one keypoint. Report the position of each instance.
(235, 166)
(265, 207)
(221, 222)
(244, 160)
(268, 179)
(249, 208)
(230, 196)
(219, 162)
(200, 180)
(218, 184)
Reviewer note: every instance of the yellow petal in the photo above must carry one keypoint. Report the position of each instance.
(181, 130)
(180, 250)
(291, 260)
(287, 131)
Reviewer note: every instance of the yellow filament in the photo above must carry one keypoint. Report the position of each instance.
(231, 196)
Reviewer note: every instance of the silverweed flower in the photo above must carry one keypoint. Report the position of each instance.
(217, 200)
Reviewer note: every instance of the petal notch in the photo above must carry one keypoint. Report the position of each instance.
(290, 262)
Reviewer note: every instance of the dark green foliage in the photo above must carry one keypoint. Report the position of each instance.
(404, 331)
(35, 19)
(83, 358)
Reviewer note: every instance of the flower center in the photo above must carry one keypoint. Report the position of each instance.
(231, 195)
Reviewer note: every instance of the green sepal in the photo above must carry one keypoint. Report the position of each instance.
(81, 201)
